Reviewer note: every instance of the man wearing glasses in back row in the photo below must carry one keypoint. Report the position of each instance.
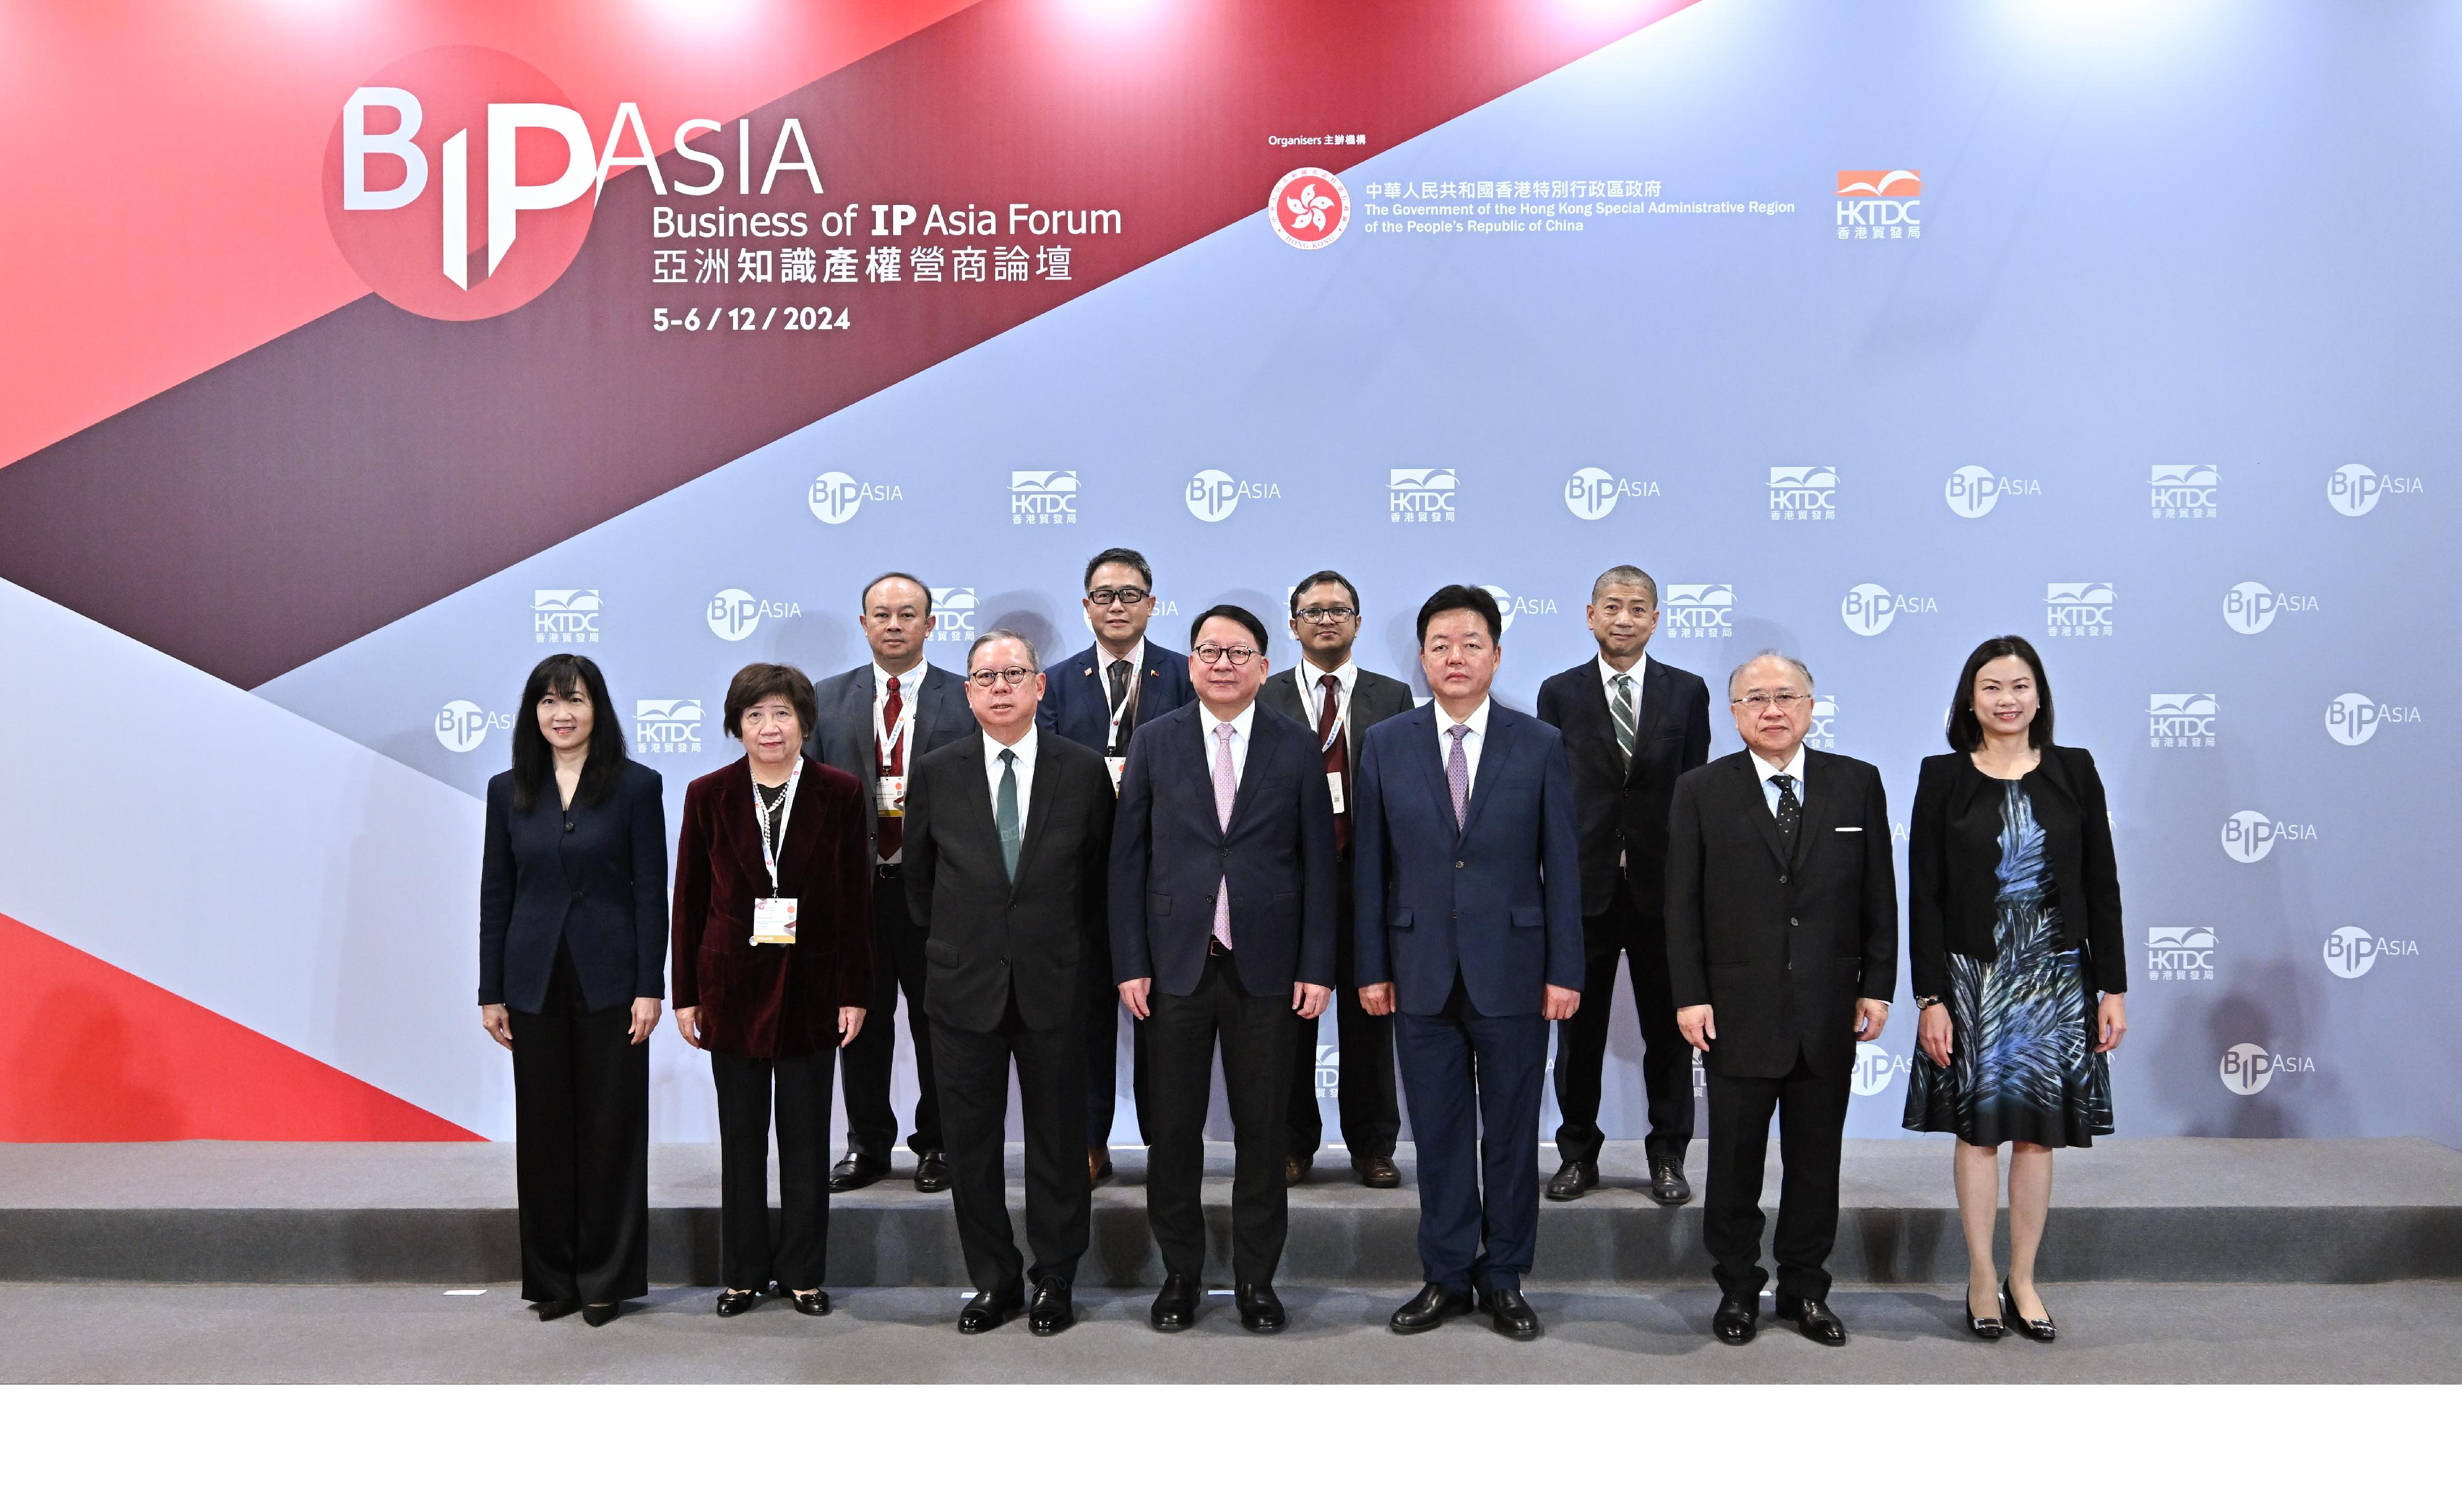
(1340, 701)
(1098, 698)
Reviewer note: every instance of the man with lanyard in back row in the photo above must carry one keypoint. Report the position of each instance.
(1098, 698)
(875, 721)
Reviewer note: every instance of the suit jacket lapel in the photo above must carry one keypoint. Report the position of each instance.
(978, 801)
(1818, 804)
(1653, 697)
(1748, 780)
(1263, 740)
(1424, 739)
(1040, 797)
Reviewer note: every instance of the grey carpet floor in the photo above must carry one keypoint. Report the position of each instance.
(2407, 1331)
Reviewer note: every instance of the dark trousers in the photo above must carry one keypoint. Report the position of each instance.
(1102, 1073)
(581, 1156)
(749, 1259)
(973, 1068)
(898, 964)
(1372, 1114)
(1811, 1124)
(1473, 1084)
(1624, 931)
(1256, 1036)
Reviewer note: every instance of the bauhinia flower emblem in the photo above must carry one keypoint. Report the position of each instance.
(1310, 208)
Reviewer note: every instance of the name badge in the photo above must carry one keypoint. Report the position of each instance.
(773, 921)
(893, 796)
(1117, 765)
(1333, 785)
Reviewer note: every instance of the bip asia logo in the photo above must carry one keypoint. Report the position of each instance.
(461, 181)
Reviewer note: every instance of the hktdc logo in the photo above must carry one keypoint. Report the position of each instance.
(1879, 204)
(1421, 495)
(1212, 494)
(1824, 733)
(1591, 492)
(2248, 836)
(2176, 720)
(1310, 207)
(2180, 953)
(1043, 498)
(733, 614)
(1802, 493)
(462, 725)
(564, 616)
(2355, 487)
(2077, 609)
(2185, 490)
(2250, 607)
(1698, 611)
(1972, 492)
(834, 497)
(1875, 1068)
(1869, 607)
(953, 615)
(666, 726)
(2246, 1069)
(2354, 717)
(2350, 951)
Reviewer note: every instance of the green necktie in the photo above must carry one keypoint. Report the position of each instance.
(1004, 812)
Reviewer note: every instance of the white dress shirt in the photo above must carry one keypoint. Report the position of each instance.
(1607, 676)
(1242, 723)
(1766, 771)
(1102, 659)
(1471, 743)
(1306, 674)
(1025, 748)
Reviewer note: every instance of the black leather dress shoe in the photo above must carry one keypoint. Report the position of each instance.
(2040, 1331)
(1260, 1311)
(1432, 1306)
(550, 1311)
(985, 1311)
(1813, 1320)
(1737, 1320)
(1053, 1310)
(1296, 1168)
(731, 1304)
(1667, 1184)
(931, 1172)
(599, 1314)
(1571, 1179)
(1175, 1307)
(813, 1304)
(1511, 1316)
(1377, 1171)
(856, 1171)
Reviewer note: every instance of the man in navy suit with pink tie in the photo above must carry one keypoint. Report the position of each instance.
(1468, 874)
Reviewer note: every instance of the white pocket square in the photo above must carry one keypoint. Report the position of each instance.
(1850, 828)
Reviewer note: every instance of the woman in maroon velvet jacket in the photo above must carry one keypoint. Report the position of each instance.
(773, 958)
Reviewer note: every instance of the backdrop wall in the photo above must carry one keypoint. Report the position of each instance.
(1870, 332)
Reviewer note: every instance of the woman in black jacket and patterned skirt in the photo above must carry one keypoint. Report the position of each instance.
(2013, 922)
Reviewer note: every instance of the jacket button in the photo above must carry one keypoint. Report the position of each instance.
(568, 827)
(1459, 865)
(1791, 923)
(576, 894)
(1782, 879)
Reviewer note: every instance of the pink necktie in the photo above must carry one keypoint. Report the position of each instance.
(1224, 786)
(1458, 777)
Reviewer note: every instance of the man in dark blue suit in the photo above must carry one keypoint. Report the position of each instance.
(1098, 698)
(1222, 897)
(1468, 878)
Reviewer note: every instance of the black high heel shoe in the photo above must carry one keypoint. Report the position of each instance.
(1980, 1327)
(2042, 1332)
(599, 1314)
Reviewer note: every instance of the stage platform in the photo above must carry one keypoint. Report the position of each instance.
(2139, 1210)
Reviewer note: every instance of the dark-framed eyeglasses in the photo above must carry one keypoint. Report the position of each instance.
(989, 678)
(1785, 702)
(1106, 597)
(1328, 614)
(1240, 655)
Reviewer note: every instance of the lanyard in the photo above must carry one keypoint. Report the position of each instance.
(772, 848)
(887, 739)
(1340, 718)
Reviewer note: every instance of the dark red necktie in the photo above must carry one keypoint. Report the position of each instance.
(892, 763)
(1337, 758)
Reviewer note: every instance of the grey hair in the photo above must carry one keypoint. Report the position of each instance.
(1032, 657)
(1801, 670)
(1626, 573)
